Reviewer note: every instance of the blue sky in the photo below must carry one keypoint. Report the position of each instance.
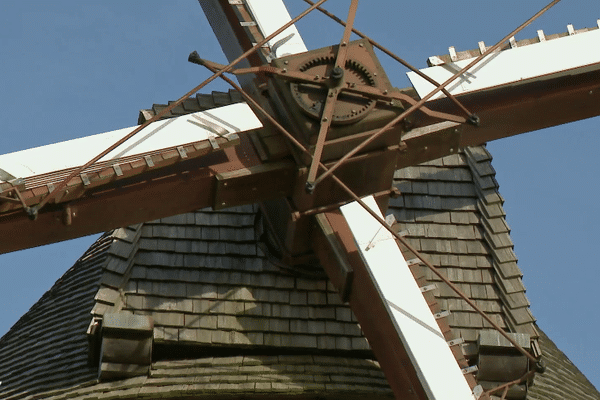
(72, 68)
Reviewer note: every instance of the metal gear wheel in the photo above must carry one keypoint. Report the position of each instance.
(349, 107)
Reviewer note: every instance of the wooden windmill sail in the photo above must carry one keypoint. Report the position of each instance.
(227, 193)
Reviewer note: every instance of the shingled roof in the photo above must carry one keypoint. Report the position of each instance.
(228, 322)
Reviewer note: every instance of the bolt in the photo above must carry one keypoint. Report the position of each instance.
(474, 120)
(286, 62)
(425, 148)
(385, 92)
(451, 150)
(337, 73)
(325, 119)
(317, 77)
(284, 70)
(361, 45)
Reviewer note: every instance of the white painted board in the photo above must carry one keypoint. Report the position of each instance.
(436, 366)
(158, 135)
(270, 16)
(549, 59)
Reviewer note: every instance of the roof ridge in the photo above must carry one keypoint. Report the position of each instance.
(117, 269)
(497, 237)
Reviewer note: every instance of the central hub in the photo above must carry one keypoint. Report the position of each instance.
(300, 94)
(349, 108)
(355, 113)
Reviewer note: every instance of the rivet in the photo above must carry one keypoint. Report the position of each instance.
(284, 70)
(361, 45)
(317, 77)
(425, 148)
(286, 62)
(385, 92)
(325, 119)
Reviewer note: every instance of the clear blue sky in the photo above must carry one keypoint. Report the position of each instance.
(72, 68)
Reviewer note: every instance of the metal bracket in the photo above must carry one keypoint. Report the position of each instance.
(441, 314)
(213, 142)
(541, 35)
(413, 261)
(470, 370)
(118, 169)
(149, 161)
(85, 179)
(455, 342)
(182, 152)
(428, 288)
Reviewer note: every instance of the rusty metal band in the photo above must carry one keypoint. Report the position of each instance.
(176, 103)
(395, 57)
(432, 93)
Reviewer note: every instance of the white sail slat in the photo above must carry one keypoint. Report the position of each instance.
(569, 55)
(421, 336)
(165, 134)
